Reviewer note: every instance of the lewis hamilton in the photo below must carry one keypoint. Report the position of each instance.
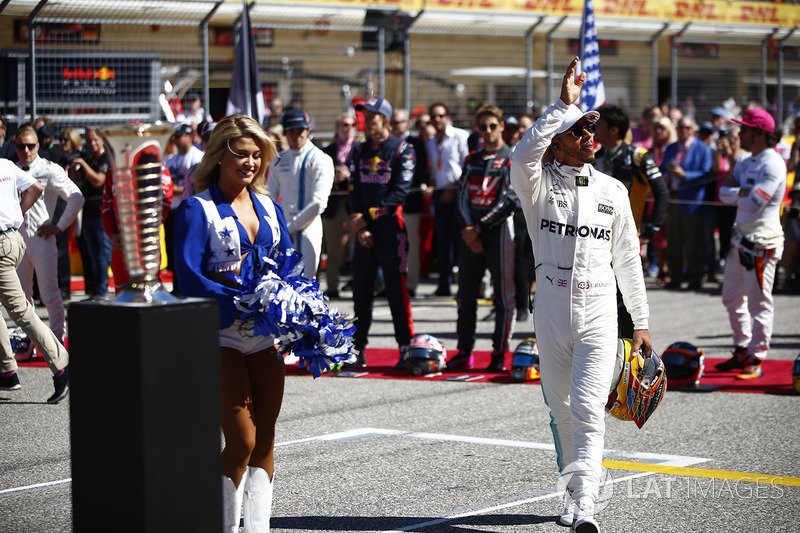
(584, 236)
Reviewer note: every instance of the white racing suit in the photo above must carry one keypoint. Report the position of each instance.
(583, 235)
(303, 213)
(756, 248)
(41, 254)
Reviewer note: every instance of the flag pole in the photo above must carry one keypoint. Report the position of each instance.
(582, 47)
(246, 51)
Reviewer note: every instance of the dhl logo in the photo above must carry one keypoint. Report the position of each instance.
(79, 73)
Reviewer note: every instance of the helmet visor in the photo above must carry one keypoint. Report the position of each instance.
(422, 352)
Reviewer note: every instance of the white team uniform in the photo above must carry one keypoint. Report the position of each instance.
(757, 236)
(585, 239)
(303, 215)
(41, 254)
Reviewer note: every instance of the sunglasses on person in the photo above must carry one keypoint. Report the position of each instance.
(577, 129)
(29, 146)
(493, 126)
(64, 139)
(348, 124)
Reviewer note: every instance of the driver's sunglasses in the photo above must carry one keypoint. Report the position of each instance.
(577, 129)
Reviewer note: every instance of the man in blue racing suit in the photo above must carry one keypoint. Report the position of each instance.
(381, 172)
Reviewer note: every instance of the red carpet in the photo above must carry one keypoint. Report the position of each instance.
(381, 361)
(777, 378)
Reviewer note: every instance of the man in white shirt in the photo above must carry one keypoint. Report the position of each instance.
(447, 151)
(18, 192)
(302, 177)
(39, 231)
(193, 114)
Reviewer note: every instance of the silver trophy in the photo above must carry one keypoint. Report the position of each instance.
(138, 160)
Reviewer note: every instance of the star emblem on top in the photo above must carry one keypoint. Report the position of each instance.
(225, 234)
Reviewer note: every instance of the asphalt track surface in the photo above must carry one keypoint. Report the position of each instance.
(356, 454)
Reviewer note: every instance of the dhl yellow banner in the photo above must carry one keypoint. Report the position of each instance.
(701, 11)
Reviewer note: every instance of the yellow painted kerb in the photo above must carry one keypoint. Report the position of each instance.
(703, 472)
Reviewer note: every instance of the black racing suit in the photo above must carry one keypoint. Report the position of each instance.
(380, 178)
(487, 201)
(637, 170)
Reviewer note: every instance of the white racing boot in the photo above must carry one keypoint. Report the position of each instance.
(568, 513)
(584, 521)
(257, 500)
(232, 504)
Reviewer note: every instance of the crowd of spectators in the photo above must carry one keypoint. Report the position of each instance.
(694, 154)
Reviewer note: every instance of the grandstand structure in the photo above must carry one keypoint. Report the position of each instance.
(101, 61)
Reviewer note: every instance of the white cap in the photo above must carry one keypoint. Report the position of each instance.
(573, 115)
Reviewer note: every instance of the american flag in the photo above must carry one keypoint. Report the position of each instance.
(593, 94)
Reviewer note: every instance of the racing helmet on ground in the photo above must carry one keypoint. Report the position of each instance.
(426, 355)
(684, 363)
(20, 343)
(638, 386)
(525, 361)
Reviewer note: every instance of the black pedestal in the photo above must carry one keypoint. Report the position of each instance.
(144, 409)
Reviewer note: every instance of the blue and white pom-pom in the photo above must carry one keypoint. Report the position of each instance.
(290, 307)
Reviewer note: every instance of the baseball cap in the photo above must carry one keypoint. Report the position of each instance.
(511, 121)
(720, 112)
(46, 131)
(573, 115)
(208, 128)
(183, 129)
(294, 119)
(377, 105)
(757, 118)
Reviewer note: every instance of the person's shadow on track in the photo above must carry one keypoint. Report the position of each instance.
(373, 523)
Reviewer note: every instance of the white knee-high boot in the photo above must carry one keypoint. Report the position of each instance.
(232, 504)
(257, 500)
